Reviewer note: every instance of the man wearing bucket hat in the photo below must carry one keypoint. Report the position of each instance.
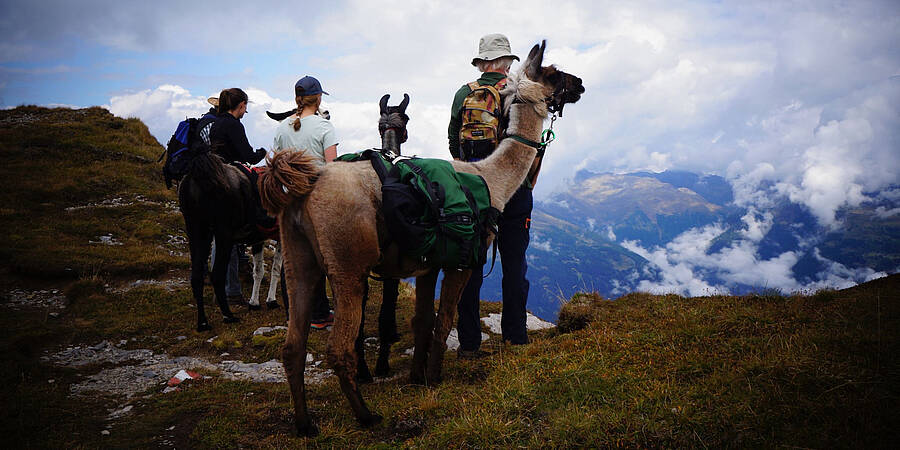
(493, 60)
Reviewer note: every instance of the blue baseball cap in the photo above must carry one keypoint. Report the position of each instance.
(308, 86)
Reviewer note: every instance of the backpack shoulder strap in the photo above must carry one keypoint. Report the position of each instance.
(494, 90)
(378, 163)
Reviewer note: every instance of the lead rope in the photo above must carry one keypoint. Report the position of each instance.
(547, 136)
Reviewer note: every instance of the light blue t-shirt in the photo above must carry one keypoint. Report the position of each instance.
(315, 135)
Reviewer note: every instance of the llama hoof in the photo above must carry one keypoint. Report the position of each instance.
(272, 305)
(253, 307)
(230, 319)
(307, 430)
(417, 379)
(204, 326)
(370, 421)
(365, 379)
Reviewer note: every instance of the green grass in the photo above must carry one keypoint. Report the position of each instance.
(59, 158)
(766, 370)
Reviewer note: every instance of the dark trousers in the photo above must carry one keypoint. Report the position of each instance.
(320, 309)
(512, 241)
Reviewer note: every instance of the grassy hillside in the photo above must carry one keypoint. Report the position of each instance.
(818, 370)
(58, 161)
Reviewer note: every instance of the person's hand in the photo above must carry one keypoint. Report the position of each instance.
(259, 154)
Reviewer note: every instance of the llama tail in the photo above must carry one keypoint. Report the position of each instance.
(290, 174)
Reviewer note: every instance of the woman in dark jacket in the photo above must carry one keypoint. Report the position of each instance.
(228, 138)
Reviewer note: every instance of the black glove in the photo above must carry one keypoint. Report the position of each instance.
(258, 155)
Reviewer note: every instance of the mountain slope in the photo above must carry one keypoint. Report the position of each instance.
(641, 371)
(85, 184)
(639, 208)
(575, 233)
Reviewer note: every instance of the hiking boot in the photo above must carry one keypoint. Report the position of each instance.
(471, 354)
(323, 323)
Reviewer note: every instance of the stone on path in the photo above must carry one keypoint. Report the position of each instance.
(265, 331)
(532, 322)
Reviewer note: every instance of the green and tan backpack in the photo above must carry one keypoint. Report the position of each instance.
(480, 113)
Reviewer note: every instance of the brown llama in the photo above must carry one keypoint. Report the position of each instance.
(331, 223)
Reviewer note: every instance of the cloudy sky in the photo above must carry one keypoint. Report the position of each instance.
(801, 96)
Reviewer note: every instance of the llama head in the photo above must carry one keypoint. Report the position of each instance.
(393, 117)
(537, 84)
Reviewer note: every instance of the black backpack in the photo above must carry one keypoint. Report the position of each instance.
(190, 138)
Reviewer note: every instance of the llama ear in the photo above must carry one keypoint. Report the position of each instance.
(535, 58)
(404, 103)
(383, 103)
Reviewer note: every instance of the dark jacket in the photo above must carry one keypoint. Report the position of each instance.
(229, 140)
(491, 78)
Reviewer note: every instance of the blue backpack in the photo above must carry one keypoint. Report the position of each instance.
(190, 138)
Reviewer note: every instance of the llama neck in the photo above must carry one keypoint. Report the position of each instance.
(506, 168)
(391, 141)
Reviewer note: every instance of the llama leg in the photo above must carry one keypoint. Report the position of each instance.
(199, 242)
(259, 270)
(284, 296)
(387, 325)
(363, 375)
(300, 273)
(271, 303)
(348, 315)
(220, 266)
(423, 323)
(451, 289)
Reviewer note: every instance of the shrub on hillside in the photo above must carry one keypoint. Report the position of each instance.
(578, 312)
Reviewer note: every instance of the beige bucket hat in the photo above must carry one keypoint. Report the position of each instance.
(493, 46)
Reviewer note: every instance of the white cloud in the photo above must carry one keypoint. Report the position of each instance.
(758, 224)
(356, 123)
(537, 243)
(823, 164)
(884, 213)
(684, 267)
(160, 109)
(610, 234)
(794, 99)
(838, 276)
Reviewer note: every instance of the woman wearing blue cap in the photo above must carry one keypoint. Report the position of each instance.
(305, 130)
(308, 132)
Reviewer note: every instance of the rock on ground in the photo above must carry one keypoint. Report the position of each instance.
(48, 298)
(532, 322)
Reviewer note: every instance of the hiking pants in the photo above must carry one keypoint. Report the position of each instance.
(232, 279)
(512, 241)
(320, 309)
